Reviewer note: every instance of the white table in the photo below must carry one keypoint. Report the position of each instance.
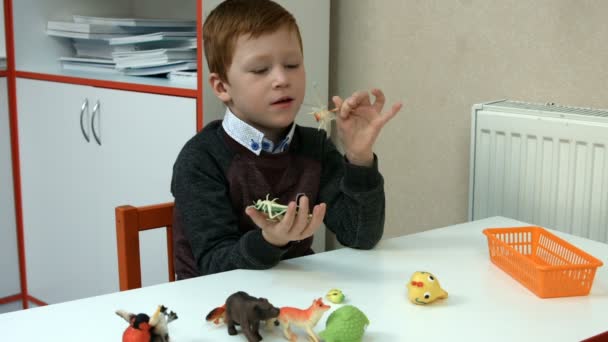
(484, 303)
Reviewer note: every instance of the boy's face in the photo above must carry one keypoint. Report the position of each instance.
(266, 81)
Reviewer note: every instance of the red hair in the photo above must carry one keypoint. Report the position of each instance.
(234, 18)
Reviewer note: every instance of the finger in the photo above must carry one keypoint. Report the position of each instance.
(337, 101)
(362, 98)
(379, 101)
(301, 220)
(318, 213)
(351, 103)
(287, 221)
(386, 117)
(260, 219)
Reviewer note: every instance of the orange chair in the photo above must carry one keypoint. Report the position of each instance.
(129, 222)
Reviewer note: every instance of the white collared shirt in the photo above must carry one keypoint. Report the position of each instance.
(252, 138)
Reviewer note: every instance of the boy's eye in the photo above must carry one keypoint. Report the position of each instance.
(259, 70)
(292, 66)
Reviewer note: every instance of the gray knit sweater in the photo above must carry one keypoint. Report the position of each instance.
(215, 179)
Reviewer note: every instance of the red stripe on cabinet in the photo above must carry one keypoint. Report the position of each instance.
(199, 60)
(36, 301)
(12, 108)
(10, 299)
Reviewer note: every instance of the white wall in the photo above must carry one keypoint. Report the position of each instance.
(440, 57)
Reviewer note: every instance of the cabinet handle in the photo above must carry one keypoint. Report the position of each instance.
(83, 108)
(95, 111)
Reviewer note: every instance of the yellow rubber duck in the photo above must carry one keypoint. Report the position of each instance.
(423, 288)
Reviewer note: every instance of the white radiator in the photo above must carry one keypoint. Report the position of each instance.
(542, 164)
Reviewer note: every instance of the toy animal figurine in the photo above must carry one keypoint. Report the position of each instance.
(423, 288)
(347, 324)
(324, 117)
(321, 114)
(335, 296)
(246, 311)
(142, 328)
(306, 319)
(273, 210)
(217, 315)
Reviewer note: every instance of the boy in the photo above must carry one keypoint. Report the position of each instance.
(255, 57)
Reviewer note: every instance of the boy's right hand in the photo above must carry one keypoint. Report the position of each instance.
(294, 226)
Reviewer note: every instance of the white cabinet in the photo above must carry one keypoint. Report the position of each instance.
(70, 186)
(9, 269)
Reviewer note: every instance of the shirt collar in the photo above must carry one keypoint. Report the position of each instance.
(251, 138)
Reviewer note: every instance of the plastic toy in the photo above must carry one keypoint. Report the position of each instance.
(323, 115)
(347, 324)
(246, 311)
(335, 296)
(273, 210)
(423, 288)
(306, 319)
(142, 328)
(217, 315)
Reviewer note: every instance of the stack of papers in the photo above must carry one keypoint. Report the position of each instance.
(134, 22)
(154, 37)
(89, 65)
(148, 58)
(160, 69)
(130, 46)
(187, 76)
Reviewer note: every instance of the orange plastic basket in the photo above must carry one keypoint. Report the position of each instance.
(544, 263)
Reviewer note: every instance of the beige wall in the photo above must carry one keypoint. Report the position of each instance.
(442, 56)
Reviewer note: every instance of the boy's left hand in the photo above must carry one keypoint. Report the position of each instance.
(359, 123)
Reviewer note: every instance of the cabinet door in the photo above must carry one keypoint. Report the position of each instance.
(71, 186)
(9, 271)
(59, 189)
(141, 136)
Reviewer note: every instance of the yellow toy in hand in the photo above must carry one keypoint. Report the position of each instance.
(423, 288)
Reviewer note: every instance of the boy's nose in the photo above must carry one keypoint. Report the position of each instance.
(280, 78)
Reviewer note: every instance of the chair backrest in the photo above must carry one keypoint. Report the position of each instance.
(130, 221)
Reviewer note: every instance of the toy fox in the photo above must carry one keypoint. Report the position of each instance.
(217, 315)
(306, 319)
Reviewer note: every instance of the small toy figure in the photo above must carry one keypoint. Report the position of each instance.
(347, 324)
(321, 114)
(324, 117)
(306, 319)
(246, 311)
(142, 328)
(424, 288)
(335, 296)
(273, 210)
(217, 315)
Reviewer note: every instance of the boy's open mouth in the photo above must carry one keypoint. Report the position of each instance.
(282, 100)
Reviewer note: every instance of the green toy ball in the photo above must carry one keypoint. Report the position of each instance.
(335, 296)
(346, 324)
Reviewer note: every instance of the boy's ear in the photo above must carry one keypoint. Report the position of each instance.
(219, 87)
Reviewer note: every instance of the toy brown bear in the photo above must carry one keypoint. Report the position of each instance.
(246, 311)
